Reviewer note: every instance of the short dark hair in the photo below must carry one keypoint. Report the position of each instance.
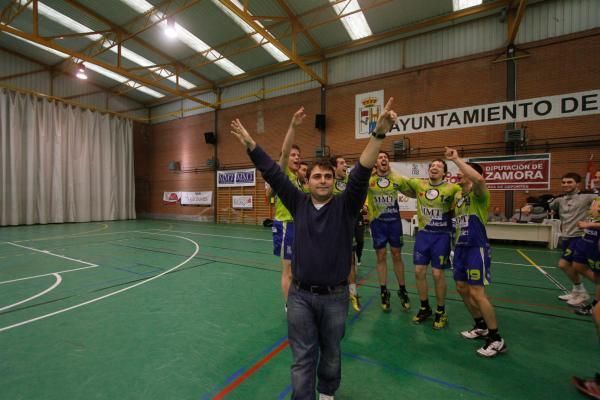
(383, 152)
(572, 175)
(295, 146)
(322, 163)
(303, 163)
(476, 167)
(333, 160)
(439, 160)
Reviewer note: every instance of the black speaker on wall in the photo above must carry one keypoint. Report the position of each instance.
(210, 138)
(320, 121)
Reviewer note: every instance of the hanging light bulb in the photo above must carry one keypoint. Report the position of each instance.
(170, 28)
(81, 71)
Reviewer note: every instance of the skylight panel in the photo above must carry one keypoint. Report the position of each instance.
(96, 68)
(356, 24)
(132, 56)
(188, 38)
(458, 5)
(257, 37)
(39, 46)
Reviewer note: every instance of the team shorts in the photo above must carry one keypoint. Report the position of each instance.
(384, 232)
(472, 265)
(432, 248)
(568, 248)
(283, 239)
(587, 253)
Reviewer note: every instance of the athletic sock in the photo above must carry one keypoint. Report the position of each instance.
(352, 288)
(425, 303)
(579, 288)
(480, 323)
(383, 288)
(403, 288)
(441, 309)
(494, 335)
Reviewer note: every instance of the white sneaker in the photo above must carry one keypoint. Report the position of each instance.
(578, 299)
(567, 297)
(492, 348)
(325, 397)
(474, 333)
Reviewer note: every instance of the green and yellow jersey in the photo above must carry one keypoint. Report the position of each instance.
(339, 185)
(382, 198)
(281, 213)
(471, 212)
(434, 203)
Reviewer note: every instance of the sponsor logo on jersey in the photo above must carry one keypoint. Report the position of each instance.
(340, 185)
(383, 182)
(432, 194)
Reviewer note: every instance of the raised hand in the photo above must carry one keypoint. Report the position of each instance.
(238, 130)
(298, 117)
(387, 118)
(451, 154)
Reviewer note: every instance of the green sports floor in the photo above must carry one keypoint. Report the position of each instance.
(181, 310)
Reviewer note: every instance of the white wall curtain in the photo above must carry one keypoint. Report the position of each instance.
(60, 163)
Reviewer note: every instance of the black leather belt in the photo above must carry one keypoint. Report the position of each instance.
(320, 289)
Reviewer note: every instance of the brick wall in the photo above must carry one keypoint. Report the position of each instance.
(556, 66)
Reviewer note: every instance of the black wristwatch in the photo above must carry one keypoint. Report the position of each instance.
(378, 135)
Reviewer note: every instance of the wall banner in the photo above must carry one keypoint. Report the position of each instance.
(197, 198)
(518, 172)
(171, 197)
(367, 107)
(539, 108)
(244, 202)
(236, 178)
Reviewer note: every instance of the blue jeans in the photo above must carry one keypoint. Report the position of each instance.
(316, 326)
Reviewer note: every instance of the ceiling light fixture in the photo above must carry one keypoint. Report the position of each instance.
(170, 29)
(81, 71)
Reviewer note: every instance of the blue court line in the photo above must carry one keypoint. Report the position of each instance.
(362, 309)
(416, 375)
(285, 392)
(240, 371)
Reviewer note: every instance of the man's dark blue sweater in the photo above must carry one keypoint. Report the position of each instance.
(322, 250)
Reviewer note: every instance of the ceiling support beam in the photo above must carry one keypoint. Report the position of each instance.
(297, 25)
(52, 70)
(514, 21)
(117, 35)
(427, 23)
(250, 21)
(316, 56)
(12, 10)
(110, 67)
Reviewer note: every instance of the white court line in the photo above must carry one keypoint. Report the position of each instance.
(50, 273)
(52, 254)
(370, 250)
(56, 283)
(224, 236)
(6, 328)
(84, 235)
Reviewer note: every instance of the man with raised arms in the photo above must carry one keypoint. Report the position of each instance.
(318, 297)
(472, 254)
